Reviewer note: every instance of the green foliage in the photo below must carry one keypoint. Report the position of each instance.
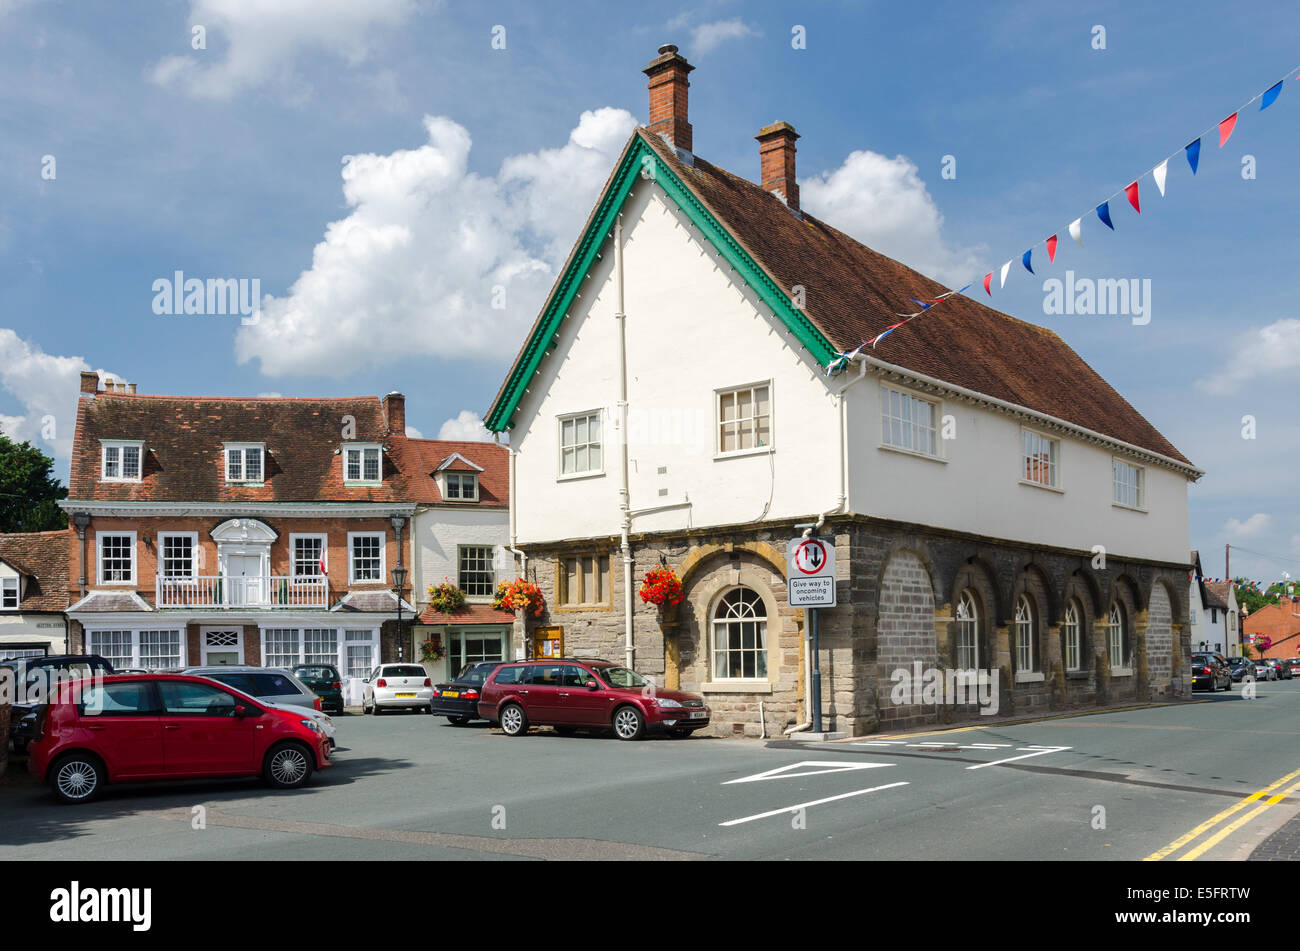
(29, 492)
(1252, 599)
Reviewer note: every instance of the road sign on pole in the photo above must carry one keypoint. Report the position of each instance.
(810, 573)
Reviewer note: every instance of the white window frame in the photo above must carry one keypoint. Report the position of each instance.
(363, 448)
(718, 451)
(560, 447)
(1115, 641)
(383, 558)
(885, 416)
(1141, 485)
(1072, 628)
(460, 478)
(1053, 463)
(99, 557)
(243, 448)
(194, 558)
(119, 445)
(133, 636)
(371, 641)
(491, 568)
(763, 643)
(323, 538)
(967, 621)
(17, 584)
(1026, 631)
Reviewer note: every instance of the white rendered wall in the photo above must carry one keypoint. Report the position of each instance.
(436, 536)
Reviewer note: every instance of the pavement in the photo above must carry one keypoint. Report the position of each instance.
(1218, 779)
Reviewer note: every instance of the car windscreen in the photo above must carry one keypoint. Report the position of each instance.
(403, 671)
(1200, 658)
(315, 673)
(272, 685)
(621, 677)
(475, 674)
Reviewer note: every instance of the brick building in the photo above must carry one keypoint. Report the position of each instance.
(1280, 623)
(997, 509)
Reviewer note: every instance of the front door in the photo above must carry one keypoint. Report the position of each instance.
(222, 646)
(244, 575)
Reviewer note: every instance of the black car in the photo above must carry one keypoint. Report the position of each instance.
(31, 675)
(1241, 668)
(1210, 672)
(457, 700)
(324, 681)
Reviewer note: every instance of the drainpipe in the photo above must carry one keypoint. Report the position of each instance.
(624, 493)
(514, 540)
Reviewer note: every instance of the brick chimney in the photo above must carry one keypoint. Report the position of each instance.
(89, 382)
(669, 87)
(776, 160)
(395, 412)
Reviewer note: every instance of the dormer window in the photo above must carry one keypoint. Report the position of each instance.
(244, 462)
(9, 593)
(120, 460)
(462, 486)
(363, 464)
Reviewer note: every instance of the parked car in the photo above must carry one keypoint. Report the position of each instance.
(274, 686)
(1241, 668)
(568, 694)
(325, 682)
(457, 699)
(1294, 664)
(140, 727)
(1210, 672)
(396, 686)
(1280, 667)
(33, 674)
(1264, 670)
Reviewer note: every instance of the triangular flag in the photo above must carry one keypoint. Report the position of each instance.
(1226, 127)
(1024, 259)
(1103, 212)
(1132, 192)
(1076, 230)
(1159, 173)
(988, 279)
(1006, 267)
(1051, 248)
(1270, 94)
(1193, 151)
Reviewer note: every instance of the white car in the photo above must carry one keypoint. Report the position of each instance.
(393, 686)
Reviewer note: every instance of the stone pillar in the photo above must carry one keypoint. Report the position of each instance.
(1141, 668)
(1054, 667)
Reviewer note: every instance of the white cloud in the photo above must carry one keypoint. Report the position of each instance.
(709, 36)
(263, 40)
(883, 203)
(273, 395)
(467, 426)
(1267, 351)
(433, 259)
(1256, 525)
(47, 387)
(414, 433)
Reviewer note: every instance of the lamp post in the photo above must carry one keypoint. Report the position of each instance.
(399, 582)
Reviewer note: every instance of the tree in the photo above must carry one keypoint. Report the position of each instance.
(29, 492)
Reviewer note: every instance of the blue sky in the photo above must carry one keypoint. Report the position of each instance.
(228, 162)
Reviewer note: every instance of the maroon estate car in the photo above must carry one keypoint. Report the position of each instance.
(132, 728)
(571, 694)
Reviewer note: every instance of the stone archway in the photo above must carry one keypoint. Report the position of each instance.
(905, 635)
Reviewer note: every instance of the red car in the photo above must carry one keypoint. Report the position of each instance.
(133, 728)
(570, 694)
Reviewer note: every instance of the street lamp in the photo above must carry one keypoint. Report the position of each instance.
(399, 582)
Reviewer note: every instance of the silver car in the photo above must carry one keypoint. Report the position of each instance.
(274, 686)
(393, 686)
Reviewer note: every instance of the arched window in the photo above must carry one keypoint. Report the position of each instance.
(968, 652)
(1072, 637)
(1025, 652)
(1117, 637)
(740, 637)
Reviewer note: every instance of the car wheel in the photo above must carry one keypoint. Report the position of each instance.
(1229, 684)
(287, 766)
(457, 721)
(374, 709)
(514, 722)
(628, 723)
(77, 777)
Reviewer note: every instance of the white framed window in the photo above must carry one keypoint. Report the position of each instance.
(363, 463)
(1117, 638)
(968, 640)
(116, 557)
(470, 646)
(740, 636)
(9, 593)
(159, 649)
(461, 486)
(360, 653)
(475, 575)
(908, 422)
(1129, 484)
(280, 646)
(1024, 635)
(178, 555)
(151, 649)
(320, 646)
(366, 557)
(581, 449)
(1071, 634)
(120, 461)
(744, 418)
(1039, 459)
(244, 462)
(116, 647)
(308, 556)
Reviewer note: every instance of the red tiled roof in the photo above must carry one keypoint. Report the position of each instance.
(43, 557)
(421, 458)
(469, 615)
(184, 459)
(853, 293)
(1218, 594)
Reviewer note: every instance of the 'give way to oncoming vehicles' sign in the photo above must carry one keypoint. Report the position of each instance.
(810, 573)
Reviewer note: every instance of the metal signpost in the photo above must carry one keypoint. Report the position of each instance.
(810, 584)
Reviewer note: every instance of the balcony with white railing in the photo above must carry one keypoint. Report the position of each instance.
(263, 592)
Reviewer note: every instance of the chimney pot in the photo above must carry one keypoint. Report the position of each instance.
(776, 154)
(89, 382)
(669, 87)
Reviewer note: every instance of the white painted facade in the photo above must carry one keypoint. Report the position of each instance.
(27, 631)
(691, 330)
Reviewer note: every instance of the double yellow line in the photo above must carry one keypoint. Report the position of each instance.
(1210, 842)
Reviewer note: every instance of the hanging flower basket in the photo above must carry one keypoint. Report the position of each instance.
(662, 587)
(432, 649)
(521, 595)
(446, 598)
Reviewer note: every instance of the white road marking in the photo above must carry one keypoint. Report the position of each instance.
(825, 766)
(808, 805)
(1036, 751)
(881, 743)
